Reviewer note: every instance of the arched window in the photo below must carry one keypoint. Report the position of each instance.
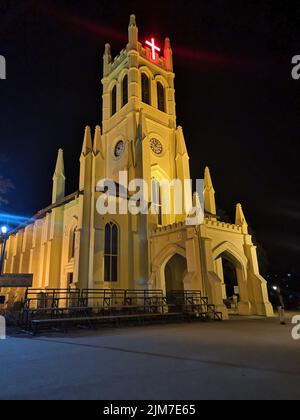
(73, 242)
(111, 253)
(114, 100)
(125, 91)
(145, 89)
(161, 97)
(156, 199)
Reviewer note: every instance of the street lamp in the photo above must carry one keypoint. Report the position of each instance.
(4, 230)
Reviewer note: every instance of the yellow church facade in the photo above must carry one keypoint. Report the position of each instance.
(72, 244)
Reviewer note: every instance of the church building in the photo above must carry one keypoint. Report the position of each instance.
(70, 244)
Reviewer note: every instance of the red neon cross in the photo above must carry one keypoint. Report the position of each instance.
(153, 47)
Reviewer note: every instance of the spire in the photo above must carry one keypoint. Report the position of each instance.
(98, 147)
(181, 149)
(209, 194)
(87, 146)
(106, 60)
(132, 21)
(86, 160)
(240, 219)
(168, 53)
(132, 34)
(59, 179)
(60, 167)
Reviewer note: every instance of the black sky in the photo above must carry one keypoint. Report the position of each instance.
(236, 99)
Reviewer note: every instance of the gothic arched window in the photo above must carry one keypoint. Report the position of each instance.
(111, 252)
(125, 91)
(156, 199)
(114, 100)
(145, 89)
(73, 242)
(161, 97)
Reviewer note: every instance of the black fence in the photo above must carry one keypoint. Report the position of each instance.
(51, 298)
(62, 307)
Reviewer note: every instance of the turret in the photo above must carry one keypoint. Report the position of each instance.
(98, 146)
(87, 148)
(183, 172)
(181, 149)
(209, 195)
(106, 60)
(240, 219)
(59, 179)
(98, 166)
(85, 198)
(168, 53)
(132, 34)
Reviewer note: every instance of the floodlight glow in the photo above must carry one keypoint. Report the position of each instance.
(12, 219)
(275, 288)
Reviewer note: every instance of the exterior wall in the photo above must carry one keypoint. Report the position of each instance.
(42, 249)
(68, 263)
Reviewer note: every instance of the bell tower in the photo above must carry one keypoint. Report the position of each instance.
(139, 106)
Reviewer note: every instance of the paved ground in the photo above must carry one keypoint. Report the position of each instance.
(238, 359)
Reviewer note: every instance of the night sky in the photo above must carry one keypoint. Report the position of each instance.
(236, 99)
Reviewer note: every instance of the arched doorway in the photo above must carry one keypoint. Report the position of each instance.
(230, 277)
(175, 272)
(231, 294)
(231, 268)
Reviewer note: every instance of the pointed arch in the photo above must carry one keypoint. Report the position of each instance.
(146, 90)
(163, 257)
(72, 240)
(125, 90)
(232, 253)
(111, 252)
(228, 251)
(161, 100)
(160, 262)
(114, 100)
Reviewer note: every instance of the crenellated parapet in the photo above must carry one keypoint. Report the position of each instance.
(217, 224)
(122, 56)
(209, 222)
(169, 228)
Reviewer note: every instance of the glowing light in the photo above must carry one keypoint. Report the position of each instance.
(275, 288)
(153, 47)
(4, 230)
(12, 219)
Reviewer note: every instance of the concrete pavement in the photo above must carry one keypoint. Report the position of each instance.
(243, 358)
